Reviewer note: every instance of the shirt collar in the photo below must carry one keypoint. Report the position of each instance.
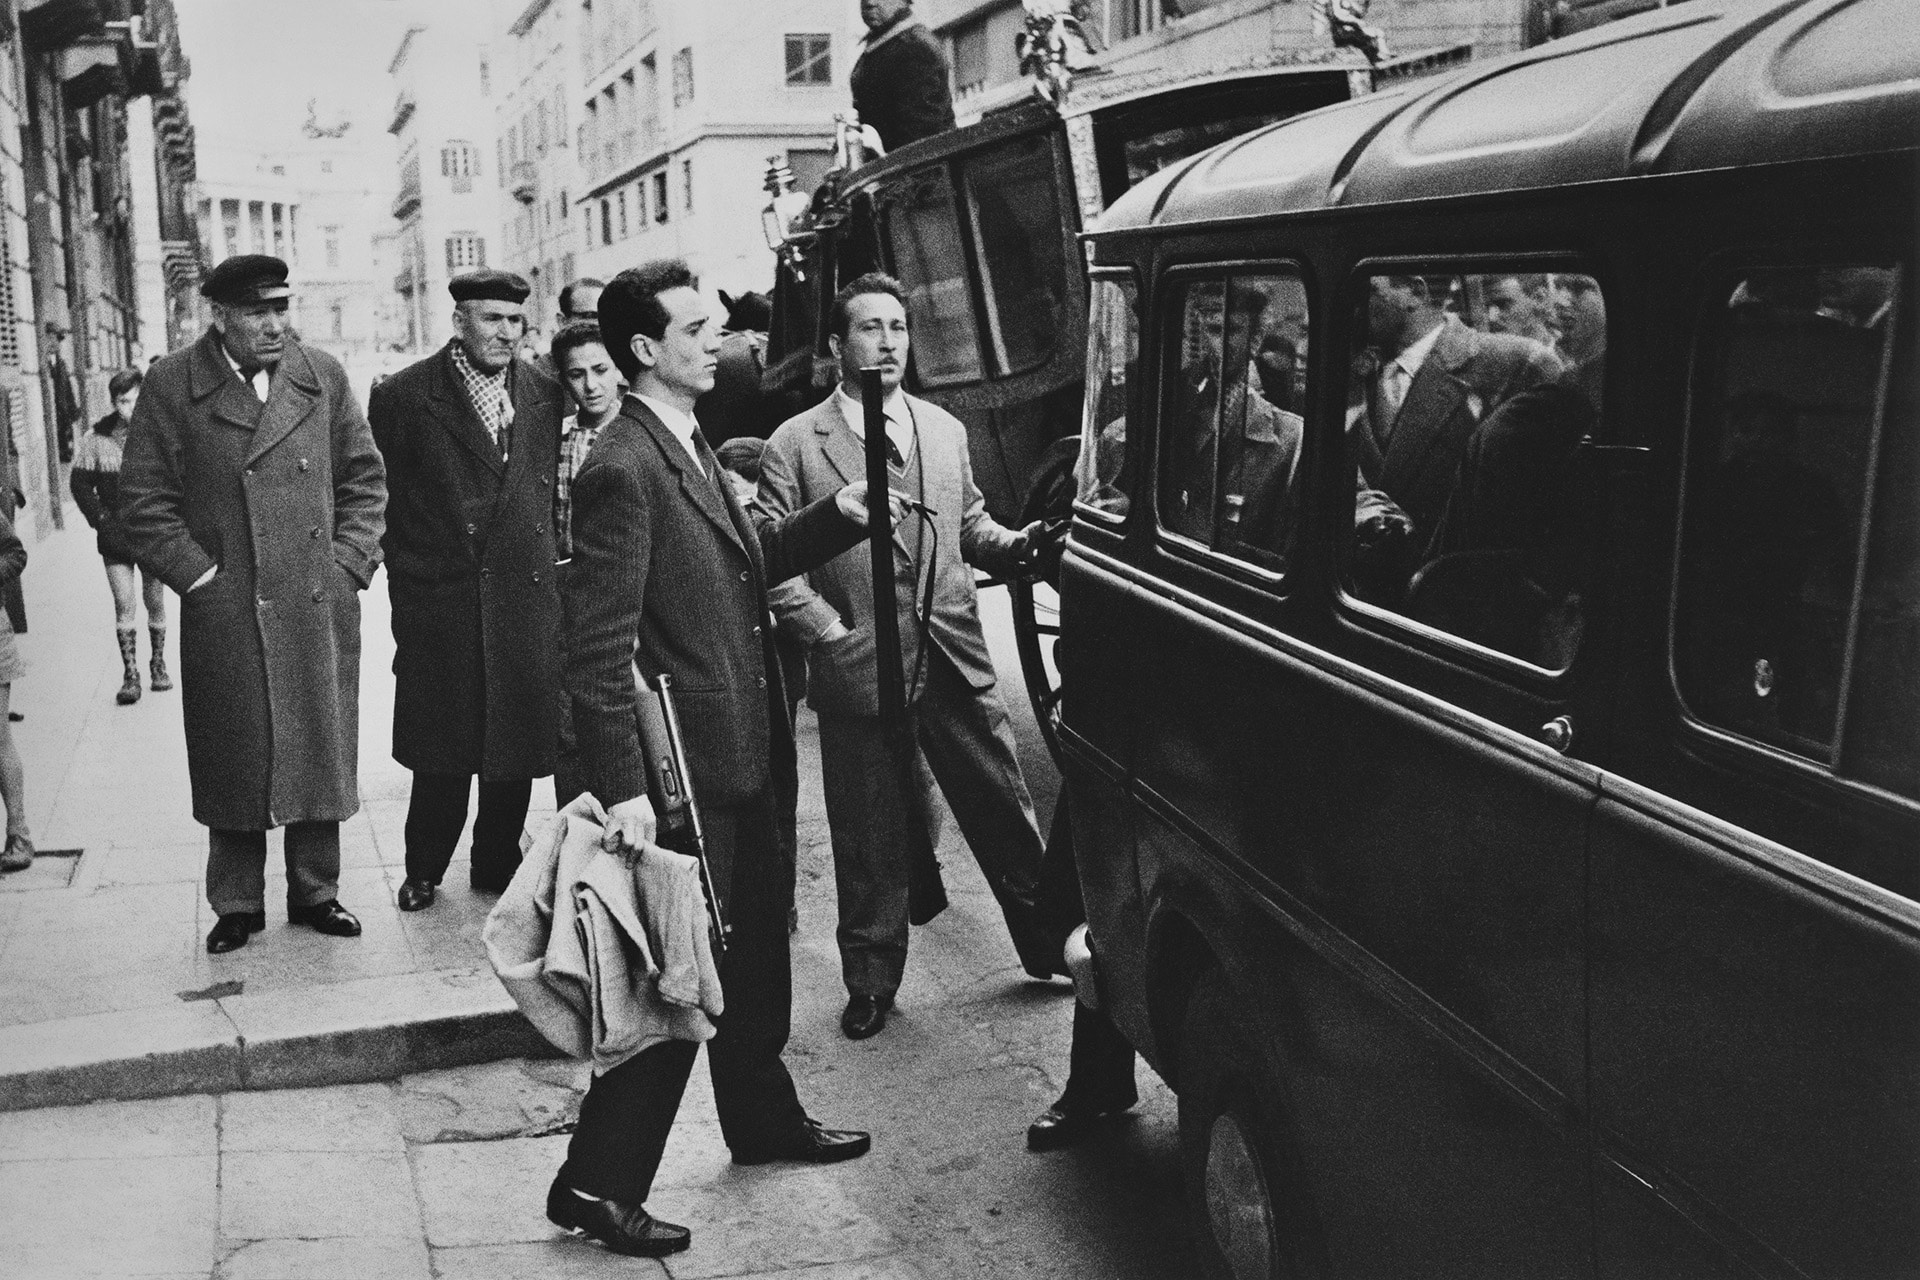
(682, 424)
(1416, 355)
(473, 371)
(899, 419)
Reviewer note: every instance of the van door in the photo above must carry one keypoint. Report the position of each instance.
(1755, 953)
(1389, 864)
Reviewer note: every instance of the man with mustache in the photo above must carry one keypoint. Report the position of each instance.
(471, 437)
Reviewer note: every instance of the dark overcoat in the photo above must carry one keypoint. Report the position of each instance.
(470, 552)
(286, 498)
(900, 84)
(669, 571)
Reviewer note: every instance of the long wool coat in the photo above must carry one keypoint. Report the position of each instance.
(470, 552)
(286, 498)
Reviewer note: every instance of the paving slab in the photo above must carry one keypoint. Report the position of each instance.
(342, 1118)
(558, 1259)
(142, 1217)
(310, 1195)
(345, 1258)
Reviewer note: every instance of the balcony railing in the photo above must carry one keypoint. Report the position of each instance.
(524, 181)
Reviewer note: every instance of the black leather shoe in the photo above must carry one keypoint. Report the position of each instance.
(231, 931)
(417, 895)
(1059, 1126)
(865, 1015)
(812, 1145)
(327, 917)
(623, 1228)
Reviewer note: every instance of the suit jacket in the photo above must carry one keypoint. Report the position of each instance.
(470, 552)
(1466, 376)
(814, 455)
(669, 573)
(900, 85)
(286, 499)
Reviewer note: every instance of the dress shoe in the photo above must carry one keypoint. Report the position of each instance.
(1060, 1126)
(623, 1228)
(865, 1015)
(812, 1145)
(327, 917)
(416, 895)
(231, 931)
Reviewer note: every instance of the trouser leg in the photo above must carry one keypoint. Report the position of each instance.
(752, 1089)
(968, 741)
(872, 824)
(1099, 1065)
(624, 1120)
(236, 871)
(313, 863)
(435, 813)
(496, 831)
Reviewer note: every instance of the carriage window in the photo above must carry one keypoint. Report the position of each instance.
(1781, 453)
(1231, 433)
(1113, 354)
(924, 231)
(1016, 216)
(1468, 402)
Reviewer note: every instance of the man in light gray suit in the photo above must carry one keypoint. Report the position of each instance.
(957, 716)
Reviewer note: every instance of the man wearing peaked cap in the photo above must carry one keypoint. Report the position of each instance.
(252, 487)
(471, 436)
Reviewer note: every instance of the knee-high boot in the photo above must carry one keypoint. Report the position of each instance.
(157, 667)
(130, 659)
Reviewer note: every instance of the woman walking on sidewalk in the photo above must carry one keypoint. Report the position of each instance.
(96, 487)
(18, 853)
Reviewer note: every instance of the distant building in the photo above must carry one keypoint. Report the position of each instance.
(317, 201)
(679, 106)
(447, 205)
(536, 164)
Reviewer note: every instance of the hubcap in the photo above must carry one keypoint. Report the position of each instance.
(1237, 1203)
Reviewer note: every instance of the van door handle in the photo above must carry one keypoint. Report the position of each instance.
(1558, 734)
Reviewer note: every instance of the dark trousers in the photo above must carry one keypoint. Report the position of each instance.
(237, 867)
(1100, 1061)
(967, 741)
(627, 1112)
(437, 811)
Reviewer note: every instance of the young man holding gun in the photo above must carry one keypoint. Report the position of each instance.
(669, 575)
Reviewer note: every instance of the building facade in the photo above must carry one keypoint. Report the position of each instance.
(447, 205)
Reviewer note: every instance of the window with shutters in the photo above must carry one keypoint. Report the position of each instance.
(809, 60)
(683, 77)
(465, 251)
(458, 164)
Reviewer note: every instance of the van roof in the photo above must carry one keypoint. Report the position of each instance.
(1704, 85)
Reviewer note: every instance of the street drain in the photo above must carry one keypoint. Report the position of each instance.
(51, 869)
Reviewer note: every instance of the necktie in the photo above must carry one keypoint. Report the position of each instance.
(894, 457)
(247, 375)
(1393, 386)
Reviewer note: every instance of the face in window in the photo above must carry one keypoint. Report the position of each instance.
(1580, 314)
(1521, 305)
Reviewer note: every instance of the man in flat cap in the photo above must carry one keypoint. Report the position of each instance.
(252, 487)
(471, 437)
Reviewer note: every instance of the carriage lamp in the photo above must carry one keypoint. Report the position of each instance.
(780, 220)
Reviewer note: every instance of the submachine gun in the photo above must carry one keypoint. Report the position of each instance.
(670, 789)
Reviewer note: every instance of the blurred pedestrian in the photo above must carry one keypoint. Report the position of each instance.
(251, 486)
(578, 301)
(471, 436)
(18, 853)
(95, 481)
(901, 87)
(595, 386)
(738, 406)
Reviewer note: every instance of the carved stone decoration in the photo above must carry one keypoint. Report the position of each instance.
(336, 125)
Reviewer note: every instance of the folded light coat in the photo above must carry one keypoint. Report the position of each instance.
(604, 958)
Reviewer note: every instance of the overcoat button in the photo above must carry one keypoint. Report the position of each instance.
(759, 682)
(539, 528)
(536, 577)
(471, 528)
(316, 532)
(318, 596)
(743, 577)
(543, 482)
(486, 573)
(756, 630)
(303, 464)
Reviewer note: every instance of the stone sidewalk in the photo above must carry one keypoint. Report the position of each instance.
(106, 989)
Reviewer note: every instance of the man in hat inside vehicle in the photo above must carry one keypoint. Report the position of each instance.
(252, 487)
(471, 438)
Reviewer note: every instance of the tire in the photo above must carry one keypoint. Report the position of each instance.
(1228, 1167)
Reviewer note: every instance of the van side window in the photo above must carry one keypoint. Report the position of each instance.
(1231, 432)
(1113, 356)
(1468, 402)
(1781, 458)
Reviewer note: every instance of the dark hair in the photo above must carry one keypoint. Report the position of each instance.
(630, 306)
(872, 282)
(122, 382)
(741, 455)
(566, 293)
(573, 335)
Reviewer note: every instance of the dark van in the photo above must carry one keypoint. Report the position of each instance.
(1491, 655)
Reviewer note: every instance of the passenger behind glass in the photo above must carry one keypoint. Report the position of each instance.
(1523, 306)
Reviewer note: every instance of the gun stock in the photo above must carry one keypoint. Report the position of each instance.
(670, 789)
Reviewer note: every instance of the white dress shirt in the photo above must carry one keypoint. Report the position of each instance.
(258, 384)
(1397, 374)
(680, 423)
(899, 419)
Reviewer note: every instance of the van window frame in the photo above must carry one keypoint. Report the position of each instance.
(1125, 275)
(1706, 346)
(1169, 284)
(1430, 641)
